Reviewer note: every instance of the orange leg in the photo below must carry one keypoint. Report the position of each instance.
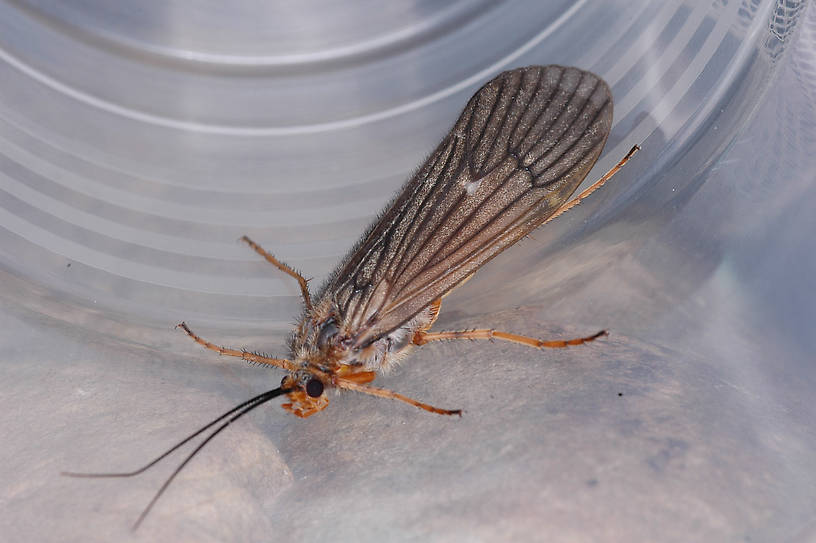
(302, 281)
(350, 373)
(421, 338)
(250, 357)
(595, 186)
(383, 393)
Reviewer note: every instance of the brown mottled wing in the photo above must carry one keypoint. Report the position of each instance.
(521, 147)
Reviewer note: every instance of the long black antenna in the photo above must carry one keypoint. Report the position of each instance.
(242, 410)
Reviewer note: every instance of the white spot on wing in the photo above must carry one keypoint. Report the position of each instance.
(472, 186)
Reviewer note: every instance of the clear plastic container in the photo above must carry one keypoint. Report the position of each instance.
(140, 140)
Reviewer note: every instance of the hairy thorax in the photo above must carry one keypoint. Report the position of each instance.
(325, 351)
(324, 342)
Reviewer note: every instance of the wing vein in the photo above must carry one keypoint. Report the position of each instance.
(551, 139)
(430, 261)
(488, 118)
(578, 137)
(446, 178)
(521, 146)
(544, 107)
(432, 257)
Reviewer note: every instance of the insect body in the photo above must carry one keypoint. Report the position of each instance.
(520, 148)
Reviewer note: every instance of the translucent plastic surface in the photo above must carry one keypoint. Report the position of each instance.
(140, 140)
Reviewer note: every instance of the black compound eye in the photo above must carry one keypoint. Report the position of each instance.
(327, 332)
(314, 387)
